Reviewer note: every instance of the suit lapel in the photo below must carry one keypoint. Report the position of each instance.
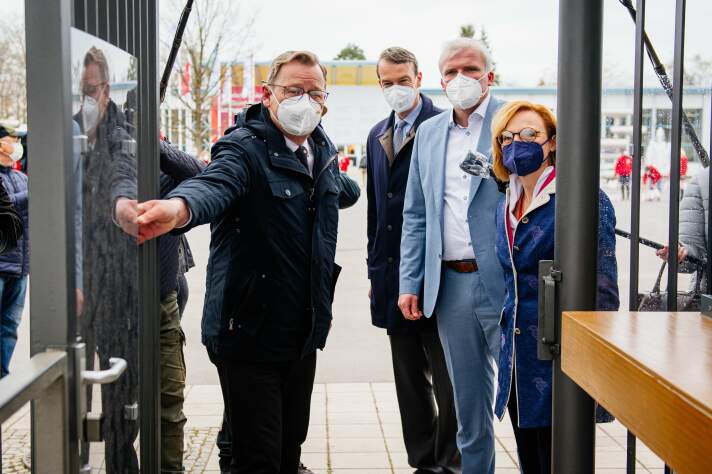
(438, 162)
(484, 145)
(386, 141)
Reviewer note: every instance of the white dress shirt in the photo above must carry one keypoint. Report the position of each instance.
(457, 241)
(310, 155)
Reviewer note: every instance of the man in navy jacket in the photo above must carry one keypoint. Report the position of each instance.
(418, 362)
(272, 194)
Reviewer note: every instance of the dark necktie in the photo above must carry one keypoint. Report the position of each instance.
(302, 155)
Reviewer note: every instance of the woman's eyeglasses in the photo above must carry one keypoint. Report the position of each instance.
(526, 134)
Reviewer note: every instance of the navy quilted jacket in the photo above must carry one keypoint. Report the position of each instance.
(16, 262)
(533, 240)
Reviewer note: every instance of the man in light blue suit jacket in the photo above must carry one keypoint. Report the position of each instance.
(448, 241)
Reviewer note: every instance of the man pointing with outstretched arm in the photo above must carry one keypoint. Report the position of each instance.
(272, 195)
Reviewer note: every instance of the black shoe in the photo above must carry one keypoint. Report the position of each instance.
(302, 469)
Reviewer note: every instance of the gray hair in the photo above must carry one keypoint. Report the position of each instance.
(456, 45)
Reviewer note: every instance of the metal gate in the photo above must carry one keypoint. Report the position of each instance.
(92, 87)
(579, 107)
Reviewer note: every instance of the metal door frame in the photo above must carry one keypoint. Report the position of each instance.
(52, 379)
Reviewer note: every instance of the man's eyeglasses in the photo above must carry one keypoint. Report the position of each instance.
(91, 90)
(296, 93)
(526, 135)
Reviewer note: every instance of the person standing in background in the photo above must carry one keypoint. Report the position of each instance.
(14, 264)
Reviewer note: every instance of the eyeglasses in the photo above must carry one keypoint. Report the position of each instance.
(526, 135)
(296, 93)
(91, 90)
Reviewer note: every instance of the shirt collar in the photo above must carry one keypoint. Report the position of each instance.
(294, 147)
(413, 115)
(479, 112)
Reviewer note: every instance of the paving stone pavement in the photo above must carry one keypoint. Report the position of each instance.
(355, 429)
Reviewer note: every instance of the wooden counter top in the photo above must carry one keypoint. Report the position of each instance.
(653, 371)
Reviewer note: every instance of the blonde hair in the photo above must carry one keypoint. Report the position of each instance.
(499, 124)
(96, 56)
(302, 57)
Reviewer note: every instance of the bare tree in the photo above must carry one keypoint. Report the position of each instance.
(215, 35)
(13, 91)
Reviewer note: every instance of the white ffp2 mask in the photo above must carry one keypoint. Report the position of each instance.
(463, 91)
(90, 113)
(17, 152)
(298, 117)
(400, 98)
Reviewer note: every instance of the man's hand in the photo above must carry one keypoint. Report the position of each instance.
(408, 305)
(80, 301)
(681, 253)
(126, 213)
(158, 217)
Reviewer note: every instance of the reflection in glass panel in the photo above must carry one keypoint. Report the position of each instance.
(104, 108)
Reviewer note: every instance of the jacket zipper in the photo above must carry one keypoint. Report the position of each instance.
(316, 180)
(516, 303)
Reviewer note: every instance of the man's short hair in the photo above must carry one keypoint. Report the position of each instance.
(302, 57)
(96, 56)
(397, 55)
(456, 45)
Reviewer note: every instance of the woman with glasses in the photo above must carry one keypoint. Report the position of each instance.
(524, 151)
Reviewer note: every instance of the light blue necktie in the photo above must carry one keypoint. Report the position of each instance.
(398, 136)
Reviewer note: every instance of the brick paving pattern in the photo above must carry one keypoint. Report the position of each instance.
(355, 429)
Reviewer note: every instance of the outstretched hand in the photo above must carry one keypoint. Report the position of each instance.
(159, 217)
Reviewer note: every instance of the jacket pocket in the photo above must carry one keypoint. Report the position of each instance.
(248, 314)
(285, 189)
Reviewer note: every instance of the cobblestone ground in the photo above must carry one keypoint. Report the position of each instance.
(355, 429)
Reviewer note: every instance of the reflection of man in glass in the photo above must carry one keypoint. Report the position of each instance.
(109, 324)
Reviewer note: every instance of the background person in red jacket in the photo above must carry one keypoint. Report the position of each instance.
(623, 169)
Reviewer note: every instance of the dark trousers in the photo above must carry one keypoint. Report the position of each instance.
(426, 404)
(533, 444)
(267, 410)
(173, 375)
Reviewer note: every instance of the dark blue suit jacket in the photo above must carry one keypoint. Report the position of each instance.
(386, 192)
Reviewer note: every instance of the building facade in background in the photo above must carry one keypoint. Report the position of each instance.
(356, 103)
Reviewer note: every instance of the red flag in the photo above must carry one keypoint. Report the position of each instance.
(185, 82)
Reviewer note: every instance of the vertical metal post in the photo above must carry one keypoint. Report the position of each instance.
(708, 269)
(50, 437)
(635, 187)
(676, 141)
(579, 142)
(149, 322)
(52, 238)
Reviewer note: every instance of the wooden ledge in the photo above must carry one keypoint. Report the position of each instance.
(652, 371)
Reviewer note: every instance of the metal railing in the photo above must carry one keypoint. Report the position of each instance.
(44, 381)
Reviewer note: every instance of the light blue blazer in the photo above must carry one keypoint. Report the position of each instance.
(422, 238)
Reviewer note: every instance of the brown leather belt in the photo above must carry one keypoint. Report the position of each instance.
(461, 266)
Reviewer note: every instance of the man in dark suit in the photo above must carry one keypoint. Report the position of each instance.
(418, 362)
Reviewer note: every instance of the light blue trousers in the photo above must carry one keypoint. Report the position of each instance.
(468, 326)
